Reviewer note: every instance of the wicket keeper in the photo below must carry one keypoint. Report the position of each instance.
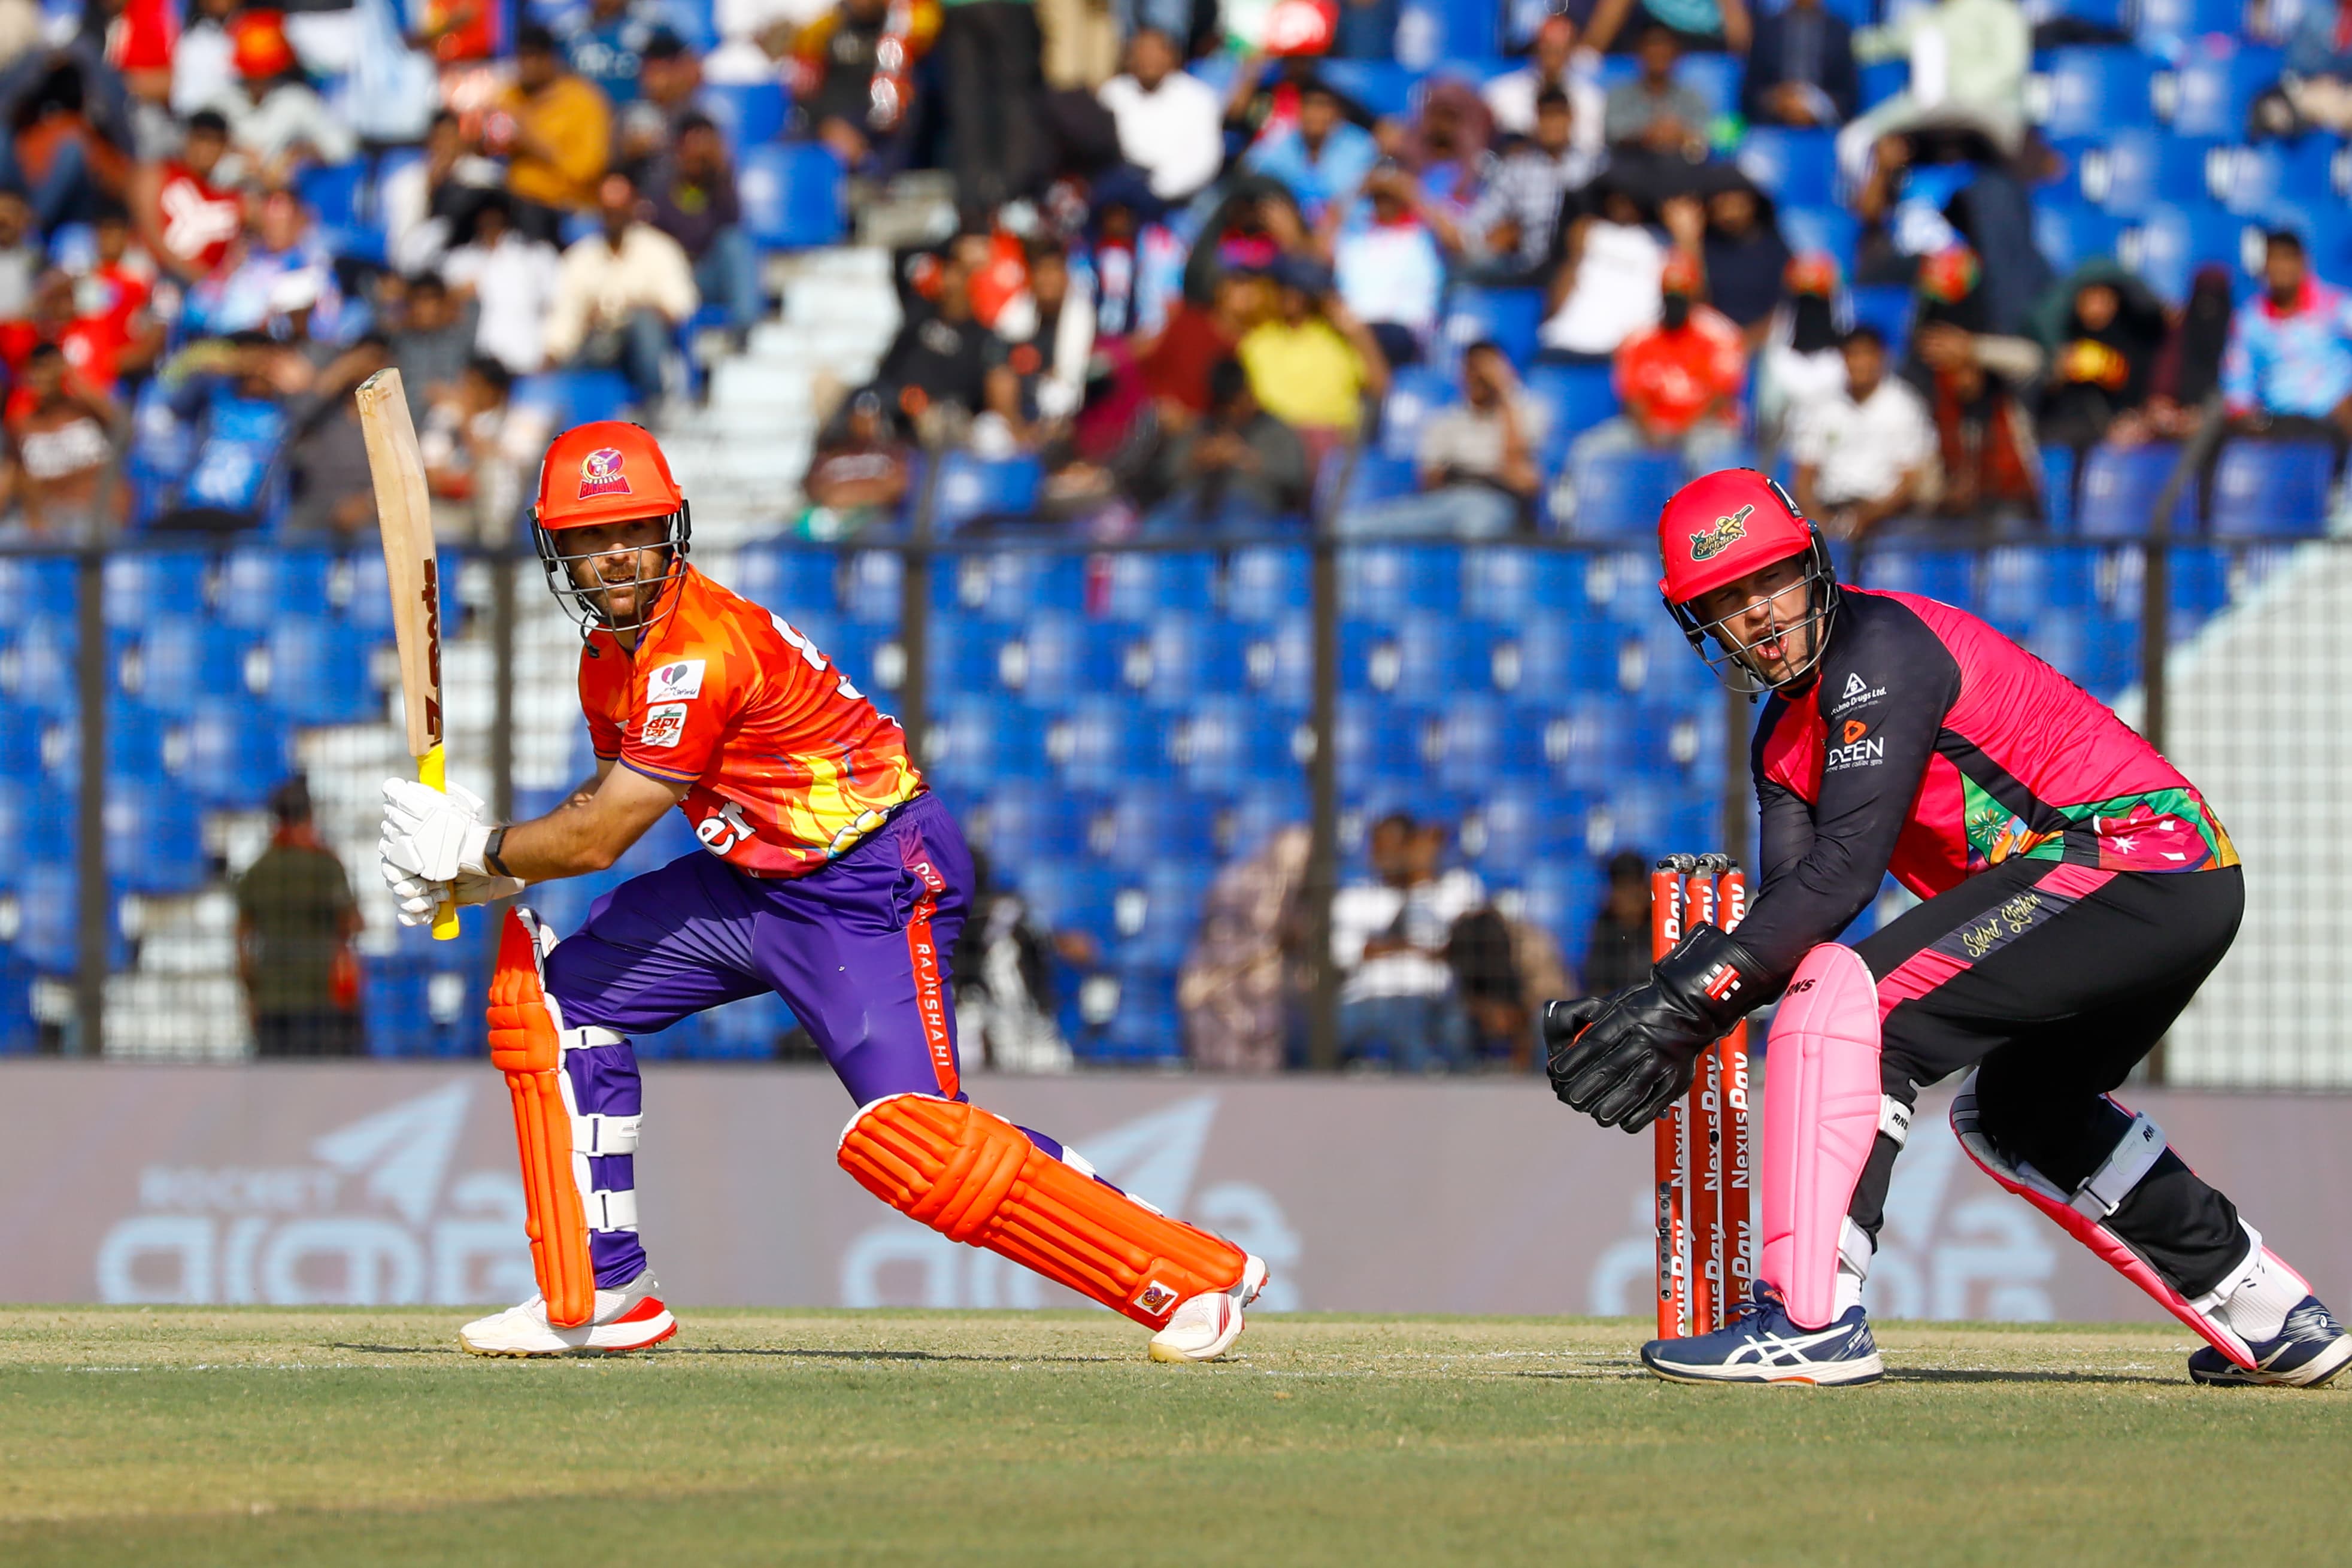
(2077, 890)
(828, 874)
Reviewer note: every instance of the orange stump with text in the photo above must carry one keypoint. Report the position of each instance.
(1704, 1163)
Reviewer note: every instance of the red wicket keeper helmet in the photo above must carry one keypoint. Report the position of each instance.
(1715, 530)
(607, 471)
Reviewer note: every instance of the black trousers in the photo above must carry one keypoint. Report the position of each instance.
(2054, 981)
(991, 59)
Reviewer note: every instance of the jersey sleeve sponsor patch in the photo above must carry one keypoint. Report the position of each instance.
(664, 727)
(675, 682)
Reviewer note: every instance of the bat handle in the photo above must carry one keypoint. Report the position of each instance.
(432, 771)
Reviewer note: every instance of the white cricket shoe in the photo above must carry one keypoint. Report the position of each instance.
(631, 1318)
(1203, 1327)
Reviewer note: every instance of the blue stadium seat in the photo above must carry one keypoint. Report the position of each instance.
(144, 585)
(2277, 178)
(870, 589)
(2058, 488)
(258, 584)
(231, 752)
(968, 656)
(1715, 78)
(1440, 658)
(2120, 489)
(1026, 821)
(1513, 585)
(1146, 1027)
(1387, 580)
(1149, 824)
(155, 839)
(1887, 306)
(36, 828)
(747, 113)
(1513, 824)
(1575, 398)
(40, 672)
(1831, 230)
(1797, 168)
(973, 489)
(747, 1030)
(1416, 392)
(1882, 79)
(792, 194)
(49, 920)
(1278, 660)
(2265, 487)
(976, 740)
(1062, 657)
(2098, 654)
(331, 191)
(1381, 87)
(1480, 741)
(1621, 494)
(182, 659)
(1266, 581)
(1508, 315)
(793, 583)
(1237, 745)
(2211, 94)
(2068, 234)
(1010, 585)
(1072, 895)
(1941, 574)
(19, 1033)
(1103, 742)
(1564, 894)
(2172, 243)
(319, 671)
(2132, 169)
(1190, 656)
(1158, 916)
(2092, 87)
(1375, 476)
(1136, 586)
(575, 397)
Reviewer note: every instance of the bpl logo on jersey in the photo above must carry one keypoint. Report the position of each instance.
(1726, 532)
(664, 726)
(600, 474)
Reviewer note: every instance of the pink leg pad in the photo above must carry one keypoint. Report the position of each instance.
(1820, 1116)
(2110, 1249)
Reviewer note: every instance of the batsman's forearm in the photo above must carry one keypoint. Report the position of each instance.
(572, 841)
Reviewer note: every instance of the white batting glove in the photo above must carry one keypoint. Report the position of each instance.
(416, 900)
(431, 835)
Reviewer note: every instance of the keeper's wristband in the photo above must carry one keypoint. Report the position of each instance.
(491, 847)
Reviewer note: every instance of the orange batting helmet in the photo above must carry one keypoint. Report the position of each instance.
(607, 471)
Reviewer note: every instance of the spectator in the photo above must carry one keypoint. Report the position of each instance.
(232, 393)
(1237, 464)
(2318, 80)
(20, 30)
(935, 373)
(1311, 364)
(293, 311)
(331, 494)
(2287, 375)
(92, 341)
(1655, 127)
(59, 451)
(1968, 63)
(851, 100)
(281, 240)
(295, 921)
(1176, 368)
(428, 204)
(1606, 288)
(604, 45)
(1387, 265)
(1366, 30)
(1054, 350)
(1446, 147)
(1255, 226)
(1510, 230)
(277, 121)
(1617, 954)
(510, 280)
(117, 288)
(2103, 329)
(695, 203)
(1321, 158)
(1241, 981)
(479, 452)
(991, 72)
(2189, 370)
(204, 57)
(1865, 455)
(433, 343)
(859, 476)
(21, 258)
(187, 220)
(1618, 26)
(1973, 378)
(1743, 254)
(1397, 1004)
(1677, 382)
(556, 133)
(1479, 474)
(1138, 261)
(1802, 365)
(1003, 964)
(669, 92)
(1554, 65)
(1800, 70)
(1170, 123)
(621, 294)
(65, 135)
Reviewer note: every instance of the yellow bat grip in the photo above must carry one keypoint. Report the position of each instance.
(432, 771)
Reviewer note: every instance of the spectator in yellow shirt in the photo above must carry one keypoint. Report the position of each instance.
(1313, 364)
(555, 132)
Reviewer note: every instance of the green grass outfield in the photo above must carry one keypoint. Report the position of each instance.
(260, 1436)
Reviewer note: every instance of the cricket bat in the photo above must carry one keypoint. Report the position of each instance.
(403, 512)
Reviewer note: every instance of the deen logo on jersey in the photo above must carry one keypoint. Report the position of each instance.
(675, 683)
(1869, 753)
(1726, 532)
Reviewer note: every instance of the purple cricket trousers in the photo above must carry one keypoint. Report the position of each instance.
(859, 950)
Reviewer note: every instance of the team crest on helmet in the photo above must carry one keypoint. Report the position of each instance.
(1726, 532)
(600, 474)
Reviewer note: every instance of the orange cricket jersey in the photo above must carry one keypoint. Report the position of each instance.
(790, 765)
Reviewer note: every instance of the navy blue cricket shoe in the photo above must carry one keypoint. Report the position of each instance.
(2311, 1348)
(1762, 1344)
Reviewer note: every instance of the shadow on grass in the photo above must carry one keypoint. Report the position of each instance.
(1986, 1375)
(800, 1352)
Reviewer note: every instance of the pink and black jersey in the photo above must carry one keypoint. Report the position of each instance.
(1932, 747)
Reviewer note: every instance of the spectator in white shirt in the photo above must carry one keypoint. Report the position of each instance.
(1479, 469)
(1863, 456)
(1387, 265)
(621, 294)
(201, 71)
(1554, 65)
(1607, 287)
(512, 277)
(1169, 124)
(1397, 1004)
(277, 121)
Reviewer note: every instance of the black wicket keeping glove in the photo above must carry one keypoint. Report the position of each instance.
(1622, 1060)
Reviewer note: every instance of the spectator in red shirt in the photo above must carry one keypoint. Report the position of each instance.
(187, 222)
(92, 344)
(1176, 367)
(1679, 382)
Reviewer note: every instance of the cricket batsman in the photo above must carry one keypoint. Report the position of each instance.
(828, 874)
(2077, 890)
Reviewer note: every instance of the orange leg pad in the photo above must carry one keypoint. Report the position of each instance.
(524, 1045)
(971, 1176)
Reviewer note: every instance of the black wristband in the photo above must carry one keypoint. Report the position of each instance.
(491, 847)
(1714, 976)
